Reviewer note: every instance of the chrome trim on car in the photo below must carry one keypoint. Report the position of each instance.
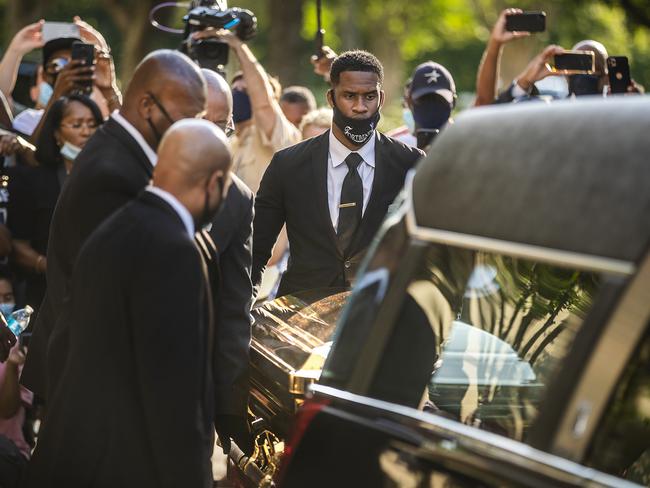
(475, 440)
(516, 249)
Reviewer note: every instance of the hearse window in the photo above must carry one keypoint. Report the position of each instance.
(622, 444)
(480, 336)
(359, 316)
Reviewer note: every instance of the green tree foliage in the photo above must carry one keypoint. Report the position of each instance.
(402, 34)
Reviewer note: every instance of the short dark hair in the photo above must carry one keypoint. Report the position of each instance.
(356, 61)
(48, 152)
(299, 94)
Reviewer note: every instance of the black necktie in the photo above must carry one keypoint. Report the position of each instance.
(351, 204)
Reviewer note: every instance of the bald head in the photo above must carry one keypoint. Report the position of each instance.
(164, 69)
(194, 163)
(219, 102)
(166, 87)
(190, 152)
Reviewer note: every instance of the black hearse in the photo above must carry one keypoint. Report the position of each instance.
(499, 332)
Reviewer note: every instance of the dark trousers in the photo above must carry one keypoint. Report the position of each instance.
(12, 464)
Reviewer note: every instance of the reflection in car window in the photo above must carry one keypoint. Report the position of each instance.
(499, 327)
(363, 306)
(622, 444)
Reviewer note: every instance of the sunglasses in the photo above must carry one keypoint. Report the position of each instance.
(228, 128)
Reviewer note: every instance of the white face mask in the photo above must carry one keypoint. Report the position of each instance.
(70, 151)
(407, 117)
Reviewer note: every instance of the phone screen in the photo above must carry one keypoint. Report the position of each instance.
(526, 22)
(574, 62)
(59, 30)
(85, 52)
(82, 50)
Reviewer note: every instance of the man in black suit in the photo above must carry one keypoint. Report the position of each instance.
(227, 247)
(134, 403)
(116, 164)
(334, 190)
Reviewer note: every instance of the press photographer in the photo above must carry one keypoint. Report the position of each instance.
(212, 53)
(261, 128)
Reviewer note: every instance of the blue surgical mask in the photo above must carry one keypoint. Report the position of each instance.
(7, 308)
(407, 117)
(70, 151)
(45, 92)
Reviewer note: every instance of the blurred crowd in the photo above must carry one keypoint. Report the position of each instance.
(63, 112)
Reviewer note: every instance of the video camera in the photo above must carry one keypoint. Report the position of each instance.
(213, 53)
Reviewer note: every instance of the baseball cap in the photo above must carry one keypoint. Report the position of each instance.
(55, 45)
(433, 78)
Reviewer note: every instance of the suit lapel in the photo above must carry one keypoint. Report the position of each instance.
(114, 129)
(374, 204)
(320, 163)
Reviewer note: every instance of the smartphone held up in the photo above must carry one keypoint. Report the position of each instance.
(573, 63)
(86, 53)
(618, 70)
(526, 22)
(60, 30)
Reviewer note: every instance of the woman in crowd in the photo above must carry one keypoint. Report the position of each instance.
(69, 123)
(14, 401)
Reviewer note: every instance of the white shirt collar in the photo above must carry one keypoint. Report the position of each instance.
(338, 152)
(182, 212)
(150, 153)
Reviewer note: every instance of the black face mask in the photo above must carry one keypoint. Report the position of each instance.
(357, 131)
(584, 85)
(209, 214)
(431, 112)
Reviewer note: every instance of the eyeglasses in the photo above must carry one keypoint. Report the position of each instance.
(79, 125)
(160, 107)
(228, 127)
(56, 65)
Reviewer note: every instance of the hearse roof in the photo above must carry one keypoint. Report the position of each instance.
(569, 176)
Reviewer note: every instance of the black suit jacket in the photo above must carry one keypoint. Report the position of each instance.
(294, 191)
(134, 403)
(227, 247)
(110, 171)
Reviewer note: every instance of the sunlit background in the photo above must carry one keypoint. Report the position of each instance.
(401, 33)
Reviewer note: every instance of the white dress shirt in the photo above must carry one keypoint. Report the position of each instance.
(337, 171)
(182, 212)
(151, 154)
